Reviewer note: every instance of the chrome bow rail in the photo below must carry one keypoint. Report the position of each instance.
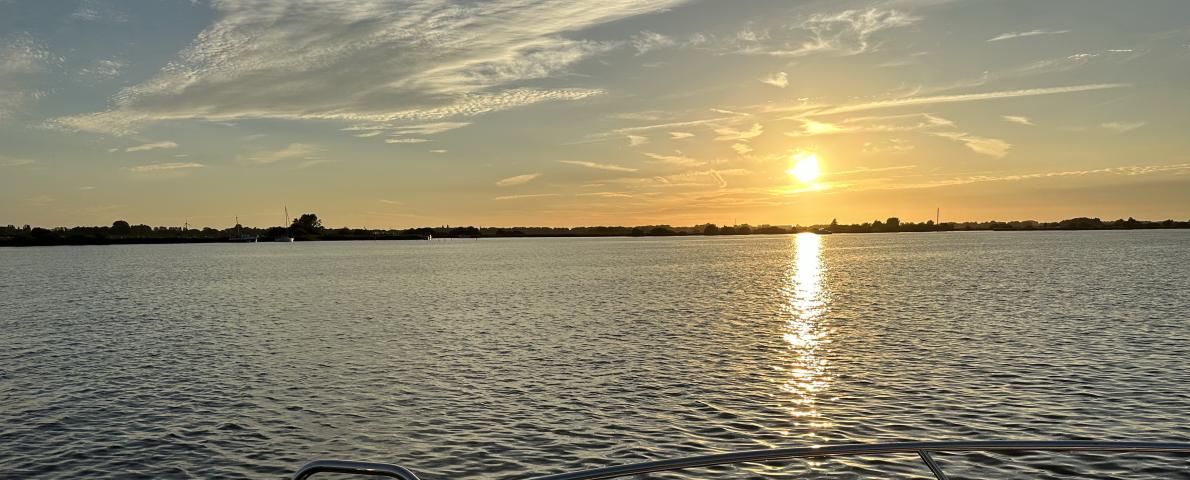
(922, 449)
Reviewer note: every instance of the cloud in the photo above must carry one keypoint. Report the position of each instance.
(1017, 119)
(438, 151)
(15, 162)
(368, 130)
(405, 140)
(1121, 127)
(607, 195)
(103, 69)
(662, 126)
(634, 140)
(98, 11)
(1067, 63)
(727, 134)
(646, 41)
(599, 166)
(969, 97)
(518, 180)
(367, 61)
(292, 151)
(1031, 33)
(680, 135)
(164, 167)
(986, 146)
(1129, 170)
(702, 177)
(428, 128)
(815, 127)
(517, 197)
(152, 146)
(845, 33)
(390, 202)
(23, 63)
(779, 80)
(741, 148)
(892, 145)
(679, 159)
(915, 122)
(40, 200)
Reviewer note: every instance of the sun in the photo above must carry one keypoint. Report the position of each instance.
(805, 167)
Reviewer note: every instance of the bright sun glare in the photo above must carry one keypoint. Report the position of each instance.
(805, 167)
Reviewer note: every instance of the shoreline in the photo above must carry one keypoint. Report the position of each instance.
(83, 242)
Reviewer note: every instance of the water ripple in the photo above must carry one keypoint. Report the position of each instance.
(509, 358)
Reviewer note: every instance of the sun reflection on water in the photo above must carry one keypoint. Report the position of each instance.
(806, 333)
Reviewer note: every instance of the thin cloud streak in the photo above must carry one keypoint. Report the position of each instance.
(1130, 170)
(517, 180)
(152, 146)
(599, 166)
(164, 167)
(969, 97)
(532, 195)
(1031, 33)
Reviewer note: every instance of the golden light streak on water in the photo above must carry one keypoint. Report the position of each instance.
(806, 333)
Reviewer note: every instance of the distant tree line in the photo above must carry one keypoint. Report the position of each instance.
(309, 227)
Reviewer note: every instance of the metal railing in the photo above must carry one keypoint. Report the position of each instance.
(922, 449)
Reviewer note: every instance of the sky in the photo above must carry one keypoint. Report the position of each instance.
(400, 113)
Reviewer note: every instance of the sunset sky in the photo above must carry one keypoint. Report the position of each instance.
(386, 113)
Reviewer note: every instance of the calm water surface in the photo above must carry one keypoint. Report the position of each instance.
(498, 359)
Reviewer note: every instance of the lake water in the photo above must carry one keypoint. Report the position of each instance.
(489, 359)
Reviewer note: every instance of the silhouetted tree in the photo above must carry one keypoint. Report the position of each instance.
(120, 227)
(710, 229)
(307, 224)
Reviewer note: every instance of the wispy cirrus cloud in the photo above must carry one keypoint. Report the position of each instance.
(366, 61)
(646, 41)
(779, 80)
(1121, 127)
(677, 159)
(15, 162)
(99, 11)
(165, 167)
(636, 140)
(531, 195)
(517, 180)
(1128, 170)
(848, 32)
(144, 147)
(599, 166)
(728, 134)
(968, 97)
(741, 148)
(982, 145)
(23, 62)
(293, 151)
(1017, 119)
(1030, 33)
